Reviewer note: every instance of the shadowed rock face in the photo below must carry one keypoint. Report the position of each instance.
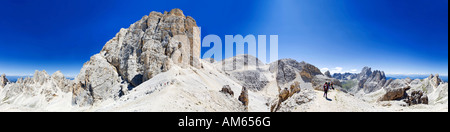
(148, 47)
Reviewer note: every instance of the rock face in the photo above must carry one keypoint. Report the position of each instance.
(64, 84)
(148, 47)
(3, 81)
(287, 70)
(153, 44)
(435, 80)
(227, 90)
(286, 94)
(365, 73)
(375, 81)
(97, 80)
(295, 88)
(253, 79)
(371, 81)
(417, 97)
(309, 71)
(289, 103)
(245, 70)
(395, 94)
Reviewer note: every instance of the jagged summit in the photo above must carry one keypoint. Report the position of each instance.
(3, 80)
(148, 47)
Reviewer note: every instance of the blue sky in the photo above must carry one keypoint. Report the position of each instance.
(396, 36)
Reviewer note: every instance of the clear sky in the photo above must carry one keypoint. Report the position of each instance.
(396, 36)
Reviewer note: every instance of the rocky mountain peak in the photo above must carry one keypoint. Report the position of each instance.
(365, 73)
(3, 81)
(148, 47)
(176, 12)
(435, 81)
(40, 77)
(152, 45)
(328, 74)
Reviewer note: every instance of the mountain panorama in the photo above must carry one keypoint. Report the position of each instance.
(142, 69)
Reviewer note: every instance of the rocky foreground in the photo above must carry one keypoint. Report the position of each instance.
(155, 65)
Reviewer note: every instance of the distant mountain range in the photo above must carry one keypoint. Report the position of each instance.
(14, 78)
(413, 76)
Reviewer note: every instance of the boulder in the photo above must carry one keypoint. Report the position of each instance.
(309, 71)
(284, 94)
(295, 88)
(395, 94)
(417, 97)
(244, 97)
(226, 89)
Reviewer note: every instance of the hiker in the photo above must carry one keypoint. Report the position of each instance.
(332, 87)
(325, 89)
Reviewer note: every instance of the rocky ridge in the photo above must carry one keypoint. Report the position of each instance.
(39, 90)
